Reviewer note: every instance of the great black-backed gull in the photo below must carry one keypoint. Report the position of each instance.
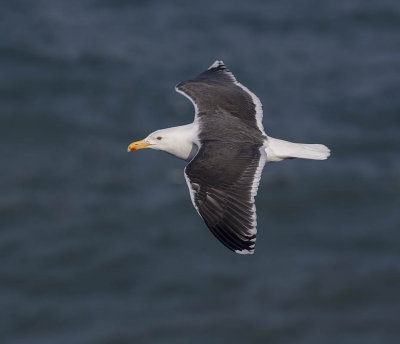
(227, 148)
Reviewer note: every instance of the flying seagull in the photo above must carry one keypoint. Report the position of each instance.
(227, 148)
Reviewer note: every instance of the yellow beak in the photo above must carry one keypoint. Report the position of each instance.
(138, 145)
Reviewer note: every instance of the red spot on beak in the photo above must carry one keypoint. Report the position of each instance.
(133, 149)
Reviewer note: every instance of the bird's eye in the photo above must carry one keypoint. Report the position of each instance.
(158, 137)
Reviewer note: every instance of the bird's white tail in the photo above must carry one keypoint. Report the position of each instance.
(278, 150)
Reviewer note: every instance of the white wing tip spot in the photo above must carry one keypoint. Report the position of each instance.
(216, 64)
(244, 251)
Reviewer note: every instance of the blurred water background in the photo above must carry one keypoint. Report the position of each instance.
(101, 246)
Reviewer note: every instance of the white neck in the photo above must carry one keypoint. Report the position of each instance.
(179, 141)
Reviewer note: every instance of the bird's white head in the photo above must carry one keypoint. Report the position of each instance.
(157, 140)
(177, 141)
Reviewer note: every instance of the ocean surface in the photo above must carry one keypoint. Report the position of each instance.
(99, 246)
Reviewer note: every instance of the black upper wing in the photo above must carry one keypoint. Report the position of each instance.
(223, 180)
(216, 90)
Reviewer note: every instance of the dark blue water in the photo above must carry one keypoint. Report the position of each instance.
(101, 246)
